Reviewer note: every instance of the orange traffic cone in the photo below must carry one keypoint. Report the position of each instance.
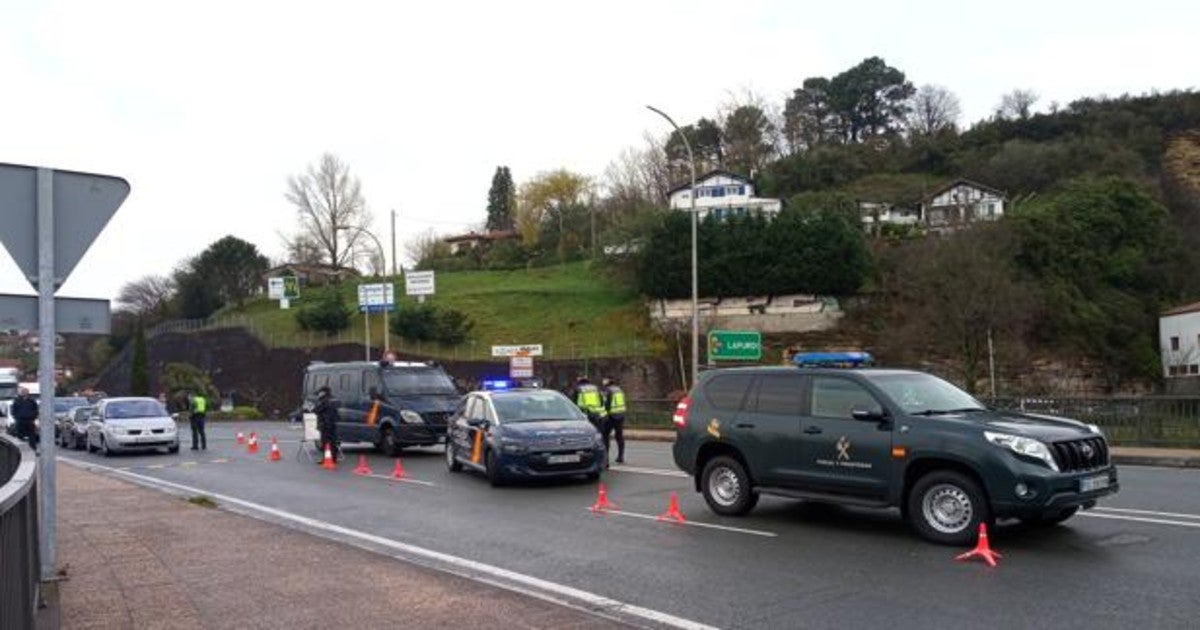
(362, 468)
(602, 502)
(275, 456)
(673, 513)
(398, 471)
(241, 438)
(982, 549)
(327, 463)
(252, 448)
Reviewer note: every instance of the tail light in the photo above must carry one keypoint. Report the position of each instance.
(681, 412)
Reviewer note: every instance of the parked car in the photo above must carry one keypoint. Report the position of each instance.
(532, 433)
(73, 433)
(134, 423)
(62, 409)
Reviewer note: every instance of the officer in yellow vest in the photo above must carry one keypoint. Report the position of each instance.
(589, 400)
(198, 406)
(614, 406)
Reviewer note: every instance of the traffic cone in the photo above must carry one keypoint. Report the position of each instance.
(673, 513)
(362, 468)
(398, 471)
(982, 549)
(275, 456)
(252, 447)
(241, 439)
(602, 502)
(327, 463)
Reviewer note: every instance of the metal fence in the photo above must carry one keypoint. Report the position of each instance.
(19, 560)
(1165, 421)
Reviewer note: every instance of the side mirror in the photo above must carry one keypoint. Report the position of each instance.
(868, 415)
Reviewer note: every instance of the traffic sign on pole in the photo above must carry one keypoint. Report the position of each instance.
(734, 345)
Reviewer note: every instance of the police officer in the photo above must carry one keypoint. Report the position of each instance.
(198, 408)
(588, 399)
(327, 420)
(24, 410)
(614, 406)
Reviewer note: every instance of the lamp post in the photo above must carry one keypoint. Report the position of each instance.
(695, 277)
(387, 345)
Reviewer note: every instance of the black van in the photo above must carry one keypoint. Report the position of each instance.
(391, 404)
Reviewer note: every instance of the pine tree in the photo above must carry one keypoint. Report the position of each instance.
(501, 200)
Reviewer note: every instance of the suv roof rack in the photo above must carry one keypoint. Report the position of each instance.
(832, 359)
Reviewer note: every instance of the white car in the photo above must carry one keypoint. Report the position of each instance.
(126, 424)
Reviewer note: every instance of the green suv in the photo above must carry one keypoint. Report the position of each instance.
(883, 438)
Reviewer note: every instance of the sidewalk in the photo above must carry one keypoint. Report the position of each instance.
(138, 558)
(1121, 455)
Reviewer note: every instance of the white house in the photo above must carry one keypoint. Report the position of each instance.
(960, 203)
(1179, 340)
(875, 214)
(724, 194)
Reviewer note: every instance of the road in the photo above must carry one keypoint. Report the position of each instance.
(1132, 561)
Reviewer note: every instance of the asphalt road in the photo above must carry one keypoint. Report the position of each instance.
(1135, 560)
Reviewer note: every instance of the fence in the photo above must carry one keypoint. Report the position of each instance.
(1130, 420)
(19, 559)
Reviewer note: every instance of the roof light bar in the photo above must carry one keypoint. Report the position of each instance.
(832, 359)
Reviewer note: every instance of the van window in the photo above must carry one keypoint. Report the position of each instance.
(410, 381)
(726, 391)
(779, 394)
(370, 379)
(348, 387)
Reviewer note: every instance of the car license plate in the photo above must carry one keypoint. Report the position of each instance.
(563, 459)
(1088, 484)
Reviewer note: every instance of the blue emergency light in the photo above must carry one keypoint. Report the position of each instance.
(832, 359)
(497, 385)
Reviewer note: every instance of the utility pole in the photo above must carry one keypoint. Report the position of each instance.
(393, 242)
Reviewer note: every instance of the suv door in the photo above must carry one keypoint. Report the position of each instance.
(841, 454)
(769, 428)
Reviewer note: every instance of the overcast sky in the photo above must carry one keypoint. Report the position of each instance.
(207, 107)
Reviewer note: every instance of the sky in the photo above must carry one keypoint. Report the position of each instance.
(207, 108)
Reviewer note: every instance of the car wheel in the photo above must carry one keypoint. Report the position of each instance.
(387, 442)
(726, 487)
(1051, 519)
(173, 449)
(493, 470)
(79, 443)
(90, 448)
(104, 450)
(452, 462)
(946, 507)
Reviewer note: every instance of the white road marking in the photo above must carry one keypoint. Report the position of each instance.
(1148, 512)
(1139, 519)
(405, 480)
(651, 517)
(504, 578)
(662, 472)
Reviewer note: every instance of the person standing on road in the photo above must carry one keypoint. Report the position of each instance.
(198, 406)
(588, 399)
(24, 410)
(614, 407)
(327, 420)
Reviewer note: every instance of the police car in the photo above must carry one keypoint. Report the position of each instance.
(884, 438)
(507, 431)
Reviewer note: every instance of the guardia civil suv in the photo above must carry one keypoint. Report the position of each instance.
(883, 438)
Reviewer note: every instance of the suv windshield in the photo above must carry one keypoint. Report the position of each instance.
(407, 382)
(923, 393)
(121, 409)
(534, 407)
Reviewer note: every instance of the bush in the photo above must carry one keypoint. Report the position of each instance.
(238, 413)
(426, 322)
(328, 315)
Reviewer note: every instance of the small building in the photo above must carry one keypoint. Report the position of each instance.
(960, 203)
(874, 215)
(1179, 341)
(723, 194)
(471, 240)
(311, 275)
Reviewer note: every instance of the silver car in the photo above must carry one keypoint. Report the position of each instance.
(125, 424)
(73, 433)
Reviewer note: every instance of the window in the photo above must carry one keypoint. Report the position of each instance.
(726, 392)
(741, 190)
(1194, 369)
(717, 191)
(1173, 370)
(838, 397)
(1174, 343)
(779, 394)
(734, 190)
(370, 381)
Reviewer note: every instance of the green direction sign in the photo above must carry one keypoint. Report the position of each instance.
(734, 345)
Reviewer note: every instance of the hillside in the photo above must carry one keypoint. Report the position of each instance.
(573, 310)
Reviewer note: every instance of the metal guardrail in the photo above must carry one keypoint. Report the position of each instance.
(1163, 421)
(19, 560)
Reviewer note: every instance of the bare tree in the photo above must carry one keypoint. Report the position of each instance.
(1016, 105)
(329, 202)
(148, 296)
(426, 246)
(934, 109)
(303, 249)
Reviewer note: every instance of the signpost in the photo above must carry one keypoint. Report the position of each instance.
(376, 298)
(418, 283)
(51, 218)
(531, 350)
(734, 345)
(520, 366)
(283, 288)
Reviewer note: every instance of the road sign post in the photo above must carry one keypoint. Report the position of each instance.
(734, 345)
(419, 283)
(376, 298)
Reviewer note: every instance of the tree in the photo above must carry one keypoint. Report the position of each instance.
(748, 134)
(933, 109)
(809, 119)
(232, 268)
(303, 249)
(707, 144)
(178, 379)
(195, 296)
(870, 99)
(426, 247)
(1016, 105)
(139, 377)
(502, 200)
(148, 297)
(553, 211)
(329, 201)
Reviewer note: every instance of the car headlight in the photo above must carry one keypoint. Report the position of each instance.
(411, 417)
(510, 445)
(1028, 447)
(116, 431)
(1095, 429)
(597, 439)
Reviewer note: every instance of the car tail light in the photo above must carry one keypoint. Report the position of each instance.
(681, 412)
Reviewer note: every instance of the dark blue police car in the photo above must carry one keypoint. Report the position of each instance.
(522, 432)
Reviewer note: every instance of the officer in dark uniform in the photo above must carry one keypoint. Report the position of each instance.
(24, 410)
(327, 420)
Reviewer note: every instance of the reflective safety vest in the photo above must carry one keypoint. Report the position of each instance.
(199, 404)
(587, 397)
(616, 400)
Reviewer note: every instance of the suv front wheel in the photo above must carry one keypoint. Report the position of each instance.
(726, 486)
(946, 507)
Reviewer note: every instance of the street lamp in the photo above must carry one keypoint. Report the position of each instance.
(378, 244)
(695, 278)
(387, 346)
